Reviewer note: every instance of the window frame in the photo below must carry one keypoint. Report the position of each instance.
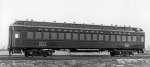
(142, 38)
(74, 37)
(56, 34)
(100, 37)
(134, 40)
(38, 35)
(30, 37)
(17, 35)
(47, 37)
(124, 38)
(129, 38)
(93, 37)
(107, 38)
(113, 38)
(120, 38)
(80, 36)
(61, 36)
(88, 36)
(68, 37)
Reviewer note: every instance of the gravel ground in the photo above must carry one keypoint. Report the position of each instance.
(77, 63)
(94, 62)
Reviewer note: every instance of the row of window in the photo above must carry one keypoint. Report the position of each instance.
(76, 36)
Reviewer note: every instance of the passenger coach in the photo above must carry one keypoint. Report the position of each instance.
(43, 38)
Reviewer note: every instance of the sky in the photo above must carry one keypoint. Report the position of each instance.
(134, 13)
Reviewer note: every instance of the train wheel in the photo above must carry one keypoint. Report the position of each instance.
(26, 54)
(112, 53)
(44, 54)
(32, 54)
(131, 54)
(9, 53)
(124, 55)
(51, 53)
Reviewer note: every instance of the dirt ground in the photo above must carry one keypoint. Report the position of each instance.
(97, 62)
(77, 63)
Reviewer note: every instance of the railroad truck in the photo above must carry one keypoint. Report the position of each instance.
(35, 38)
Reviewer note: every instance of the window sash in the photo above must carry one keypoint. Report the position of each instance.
(46, 35)
(75, 36)
(17, 34)
(81, 36)
(118, 38)
(106, 37)
(53, 35)
(112, 37)
(129, 38)
(142, 38)
(60, 35)
(101, 37)
(134, 38)
(88, 36)
(29, 35)
(68, 36)
(94, 36)
(38, 35)
(124, 38)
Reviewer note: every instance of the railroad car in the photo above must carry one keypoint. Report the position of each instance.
(43, 38)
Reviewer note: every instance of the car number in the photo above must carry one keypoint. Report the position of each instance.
(42, 44)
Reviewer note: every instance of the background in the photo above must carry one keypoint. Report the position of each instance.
(134, 13)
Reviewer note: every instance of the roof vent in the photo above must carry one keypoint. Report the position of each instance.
(15, 19)
(26, 19)
(19, 22)
(31, 19)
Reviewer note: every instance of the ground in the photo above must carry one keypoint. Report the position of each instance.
(95, 62)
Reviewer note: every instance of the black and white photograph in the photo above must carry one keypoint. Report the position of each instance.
(74, 33)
